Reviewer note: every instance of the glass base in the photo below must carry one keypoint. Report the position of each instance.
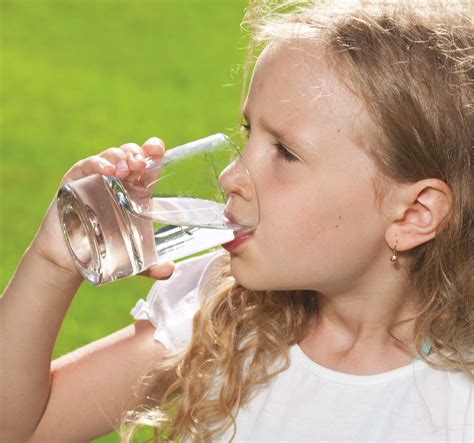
(106, 242)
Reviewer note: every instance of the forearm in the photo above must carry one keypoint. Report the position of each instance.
(32, 310)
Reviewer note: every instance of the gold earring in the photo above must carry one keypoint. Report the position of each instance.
(394, 257)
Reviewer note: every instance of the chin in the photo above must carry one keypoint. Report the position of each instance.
(245, 278)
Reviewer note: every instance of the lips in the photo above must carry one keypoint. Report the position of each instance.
(237, 243)
(233, 221)
(240, 236)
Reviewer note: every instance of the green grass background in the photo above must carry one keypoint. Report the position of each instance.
(80, 76)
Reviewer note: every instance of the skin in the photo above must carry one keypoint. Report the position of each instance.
(320, 227)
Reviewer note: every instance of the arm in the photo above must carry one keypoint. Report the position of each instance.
(94, 386)
(32, 310)
(79, 396)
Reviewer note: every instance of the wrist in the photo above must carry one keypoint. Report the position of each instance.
(51, 271)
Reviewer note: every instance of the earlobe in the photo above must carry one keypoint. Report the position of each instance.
(424, 205)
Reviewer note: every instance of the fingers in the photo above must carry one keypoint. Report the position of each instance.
(121, 162)
(154, 147)
(96, 164)
(89, 166)
(160, 272)
(133, 157)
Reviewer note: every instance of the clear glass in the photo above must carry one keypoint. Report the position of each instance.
(196, 197)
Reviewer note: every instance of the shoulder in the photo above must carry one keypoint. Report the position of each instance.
(447, 394)
(456, 379)
(171, 304)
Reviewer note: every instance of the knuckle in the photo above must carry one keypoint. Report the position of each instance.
(130, 147)
(113, 151)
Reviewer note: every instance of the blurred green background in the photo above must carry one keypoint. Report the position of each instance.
(80, 76)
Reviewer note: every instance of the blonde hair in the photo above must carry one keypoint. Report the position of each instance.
(412, 67)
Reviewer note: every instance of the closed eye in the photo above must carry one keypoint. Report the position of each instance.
(282, 151)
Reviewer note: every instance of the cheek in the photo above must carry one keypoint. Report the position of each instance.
(290, 218)
(324, 218)
(327, 237)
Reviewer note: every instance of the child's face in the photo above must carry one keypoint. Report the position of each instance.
(319, 227)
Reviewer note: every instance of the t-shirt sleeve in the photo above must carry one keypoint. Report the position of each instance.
(171, 304)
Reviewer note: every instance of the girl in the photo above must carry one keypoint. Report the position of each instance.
(348, 314)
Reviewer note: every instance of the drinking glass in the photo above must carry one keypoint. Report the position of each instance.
(184, 203)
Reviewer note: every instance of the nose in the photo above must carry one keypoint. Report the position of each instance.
(236, 179)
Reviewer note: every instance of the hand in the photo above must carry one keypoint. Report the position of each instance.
(120, 162)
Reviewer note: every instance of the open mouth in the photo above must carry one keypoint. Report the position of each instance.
(238, 243)
(232, 220)
(243, 233)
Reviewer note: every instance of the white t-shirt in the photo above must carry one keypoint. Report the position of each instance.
(311, 403)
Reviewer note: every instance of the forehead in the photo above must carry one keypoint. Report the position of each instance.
(300, 63)
(294, 88)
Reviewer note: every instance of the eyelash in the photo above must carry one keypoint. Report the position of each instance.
(281, 149)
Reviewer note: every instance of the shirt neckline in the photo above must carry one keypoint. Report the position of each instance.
(299, 356)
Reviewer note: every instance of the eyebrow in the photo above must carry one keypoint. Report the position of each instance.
(288, 140)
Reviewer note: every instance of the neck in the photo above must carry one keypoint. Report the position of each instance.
(364, 319)
(352, 333)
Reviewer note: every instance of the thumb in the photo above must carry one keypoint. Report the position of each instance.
(160, 272)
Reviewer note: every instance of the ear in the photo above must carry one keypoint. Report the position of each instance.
(419, 210)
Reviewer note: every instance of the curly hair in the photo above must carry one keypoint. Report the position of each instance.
(411, 64)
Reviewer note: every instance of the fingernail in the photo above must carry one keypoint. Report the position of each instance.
(139, 157)
(168, 267)
(156, 143)
(153, 141)
(122, 165)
